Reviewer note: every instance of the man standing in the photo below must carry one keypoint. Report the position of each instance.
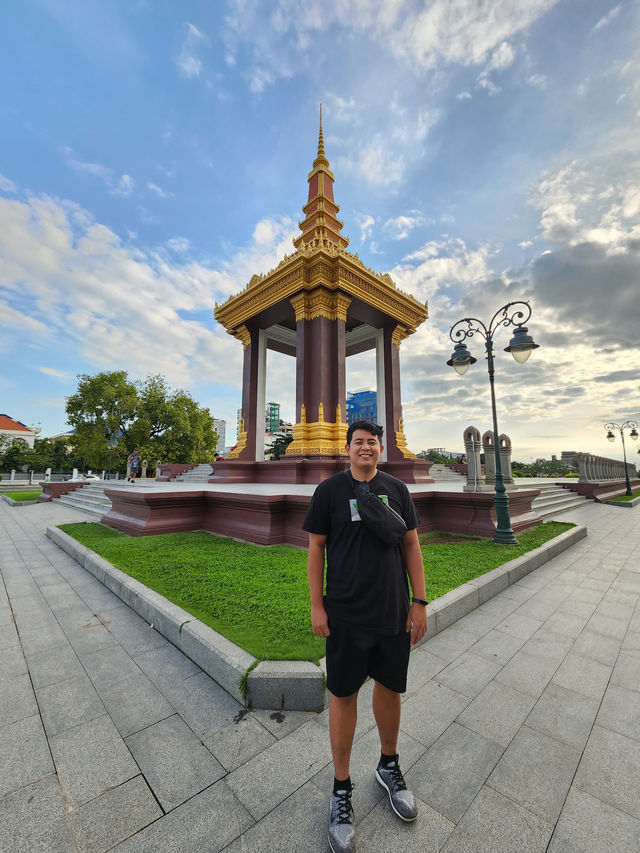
(366, 618)
(134, 460)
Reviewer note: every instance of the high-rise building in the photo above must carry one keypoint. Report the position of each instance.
(272, 417)
(220, 427)
(362, 406)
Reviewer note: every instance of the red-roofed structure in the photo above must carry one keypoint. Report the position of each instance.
(16, 429)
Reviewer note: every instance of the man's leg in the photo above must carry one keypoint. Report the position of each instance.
(386, 710)
(343, 714)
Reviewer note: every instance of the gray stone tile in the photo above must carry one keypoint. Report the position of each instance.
(166, 665)
(497, 712)
(548, 645)
(564, 715)
(74, 617)
(261, 784)
(282, 723)
(24, 754)
(632, 642)
(607, 625)
(536, 772)
(90, 759)
(566, 624)
(364, 759)
(115, 815)
(537, 607)
(12, 663)
(519, 626)
(450, 774)
(528, 673)
(597, 647)
(450, 643)
(495, 824)
(16, 700)
(66, 704)
(626, 672)
(468, 674)
(202, 704)
(620, 712)
(8, 636)
(110, 667)
(609, 770)
(135, 704)
(381, 830)
(296, 825)
(238, 742)
(582, 675)
(133, 633)
(423, 665)
(174, 761)
(587, 825)
(90, 638)
(206, 823)
(430, 711)
(497, 646)
(55, 665)
(36, 641)
(33, 819)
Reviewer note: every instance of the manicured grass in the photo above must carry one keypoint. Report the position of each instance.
(31, 495)
(257, 596)
(625, 498)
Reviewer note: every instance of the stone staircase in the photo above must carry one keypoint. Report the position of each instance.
(442, 474)
(553, 499)
(91, 498)
(199, 474)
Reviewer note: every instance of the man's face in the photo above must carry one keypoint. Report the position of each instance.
(364, 450)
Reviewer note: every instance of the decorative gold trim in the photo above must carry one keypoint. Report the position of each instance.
(399, 334)
(240, 444)
(335, 269)
(320, 303)
(243, 335)
(320, 437)
(401, 441)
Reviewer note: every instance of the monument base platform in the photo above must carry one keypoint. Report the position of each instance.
(276, 518)
(310, 470)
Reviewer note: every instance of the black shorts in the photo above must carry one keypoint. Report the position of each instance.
(353, 653)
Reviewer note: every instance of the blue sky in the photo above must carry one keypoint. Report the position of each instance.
(154, 155)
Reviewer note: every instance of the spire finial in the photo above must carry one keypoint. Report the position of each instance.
(320, 138)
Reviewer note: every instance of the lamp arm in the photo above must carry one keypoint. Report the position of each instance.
(506, 317)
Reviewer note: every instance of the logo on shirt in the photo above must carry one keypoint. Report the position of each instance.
(353, 507)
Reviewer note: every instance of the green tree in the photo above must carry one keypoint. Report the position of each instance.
(278, 446)
(14, 453)
(147, 415)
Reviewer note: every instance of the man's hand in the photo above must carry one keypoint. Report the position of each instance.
(319, 621)
(417, 622)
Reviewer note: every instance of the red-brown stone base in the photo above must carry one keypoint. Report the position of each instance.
(601, 490)
(277, 519)
(310, 470)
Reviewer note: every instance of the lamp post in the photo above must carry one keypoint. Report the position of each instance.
(632, 425)
(520, 347)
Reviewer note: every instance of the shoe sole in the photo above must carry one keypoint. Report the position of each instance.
(386, 787)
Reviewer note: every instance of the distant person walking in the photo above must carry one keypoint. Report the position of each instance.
(134, 461)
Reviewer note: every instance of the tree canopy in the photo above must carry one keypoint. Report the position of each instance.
(163, 424)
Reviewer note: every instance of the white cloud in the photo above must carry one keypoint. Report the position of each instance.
(502, 57)
(188, 62)
(366, 223)
(463, 96)
(525, 244)
(159, 191)
(439, 265)
(62, 375)
(538, 81)
(6, 185)
(124, 187)
(260, 79)
(179, 244)
(400, 227)
(606, 19)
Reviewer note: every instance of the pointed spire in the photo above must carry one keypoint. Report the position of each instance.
(321, 225)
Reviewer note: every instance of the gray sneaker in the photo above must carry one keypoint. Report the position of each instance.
(342, 838)
(402, 800)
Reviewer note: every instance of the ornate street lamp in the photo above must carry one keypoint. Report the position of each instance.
(632, 425)
(520, 347)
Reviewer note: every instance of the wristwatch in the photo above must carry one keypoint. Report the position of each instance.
(419, 601)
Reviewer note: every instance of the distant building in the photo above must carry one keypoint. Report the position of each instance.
(272, 417)
(16, 429)
(220, 427)
(362, 406)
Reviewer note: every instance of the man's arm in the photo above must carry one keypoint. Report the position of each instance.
(315, 572)
(417, 618)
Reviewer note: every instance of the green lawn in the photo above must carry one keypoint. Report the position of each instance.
(31, 495)
(257, 596)
(625, 498)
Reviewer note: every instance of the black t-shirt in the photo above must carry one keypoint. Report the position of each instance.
(366, 578)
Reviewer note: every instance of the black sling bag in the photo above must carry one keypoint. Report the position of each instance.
(376, 515)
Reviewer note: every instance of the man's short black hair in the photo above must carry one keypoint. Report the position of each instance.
(374, 429)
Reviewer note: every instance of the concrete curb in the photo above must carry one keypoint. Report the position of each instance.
(286, 685)
(634, 502)
(11, 501)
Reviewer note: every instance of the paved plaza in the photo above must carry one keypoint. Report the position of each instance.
(520, 729)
